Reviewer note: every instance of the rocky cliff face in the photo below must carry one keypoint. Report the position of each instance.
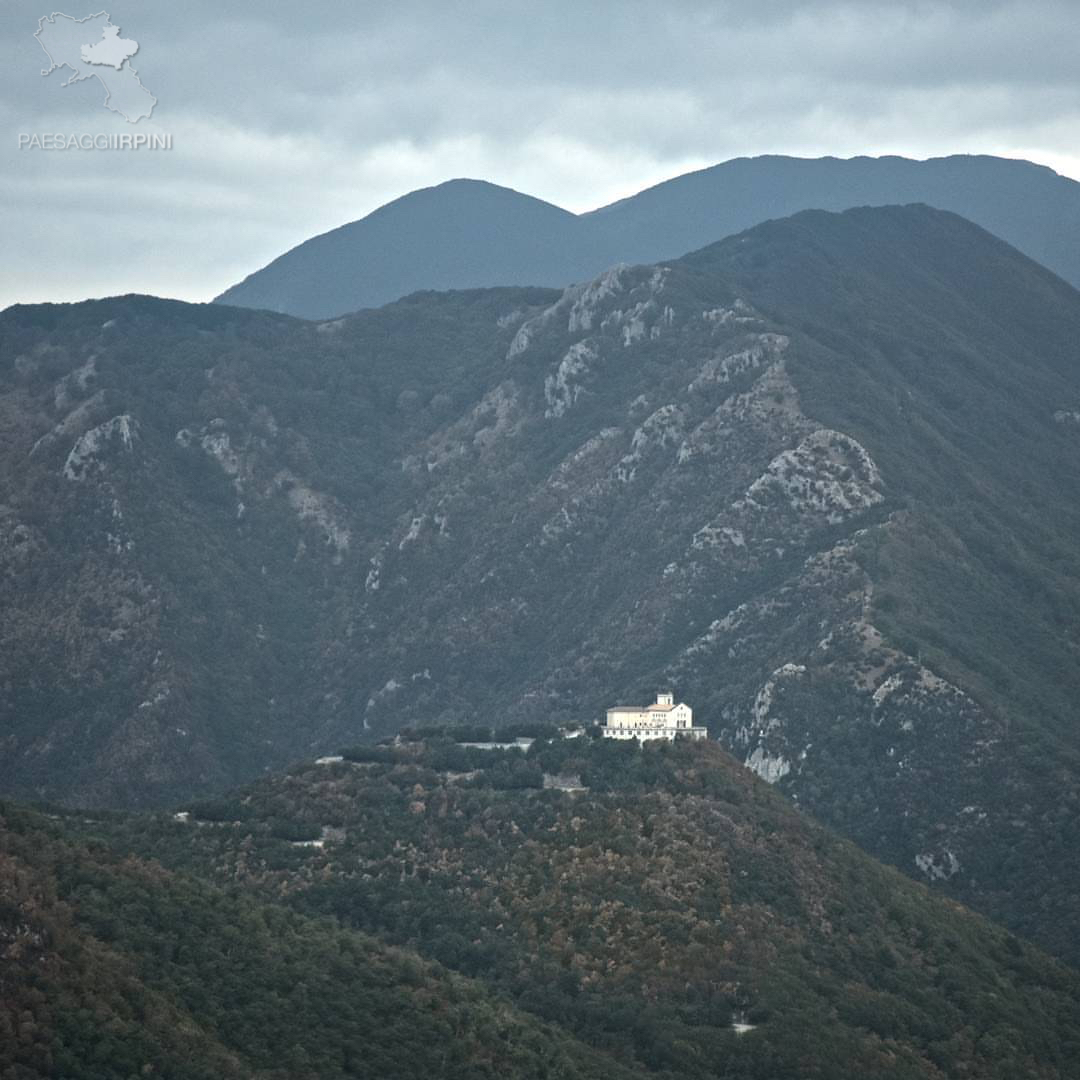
(812, 477)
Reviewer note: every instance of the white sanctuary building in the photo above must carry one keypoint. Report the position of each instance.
(664, 720)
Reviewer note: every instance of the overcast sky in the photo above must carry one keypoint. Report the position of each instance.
(290, 119)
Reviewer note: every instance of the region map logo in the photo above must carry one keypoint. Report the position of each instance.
(92, 48)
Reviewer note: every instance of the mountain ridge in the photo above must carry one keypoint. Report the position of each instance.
(510, 240)
(803, 475)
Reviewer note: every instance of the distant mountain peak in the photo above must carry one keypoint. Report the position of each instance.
(467, 233)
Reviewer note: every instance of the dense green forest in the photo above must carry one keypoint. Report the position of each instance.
(668, 894)
(114, 968)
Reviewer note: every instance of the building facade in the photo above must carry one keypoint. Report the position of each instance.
(663, 720)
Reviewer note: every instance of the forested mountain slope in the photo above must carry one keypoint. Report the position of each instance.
(667, 896)
(821, 477)
(113, 967)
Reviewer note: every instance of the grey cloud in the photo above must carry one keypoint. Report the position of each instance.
(288, 121)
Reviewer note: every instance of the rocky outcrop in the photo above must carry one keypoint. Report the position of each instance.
(236, 540)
